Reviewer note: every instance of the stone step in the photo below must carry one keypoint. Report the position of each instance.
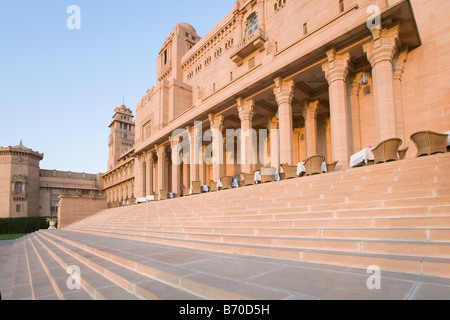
(328, 223)
(387, 261)
(382, 246)
(407, 234)
(112, 279)
(203, 284)
(20, 286)
(43, 287)
(56, 273)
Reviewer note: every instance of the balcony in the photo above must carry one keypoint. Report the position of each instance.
(248, 45)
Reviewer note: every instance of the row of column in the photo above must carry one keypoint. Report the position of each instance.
(121, 193)
(387, 61)
(386, 74)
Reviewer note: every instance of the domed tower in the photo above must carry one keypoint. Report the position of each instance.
(121, 138)
(182, 38)
(19, 181)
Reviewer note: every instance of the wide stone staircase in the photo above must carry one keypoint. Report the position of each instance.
(395, 216)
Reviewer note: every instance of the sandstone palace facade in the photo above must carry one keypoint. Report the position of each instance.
(323, 77)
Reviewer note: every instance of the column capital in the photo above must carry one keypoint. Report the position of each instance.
(272, 122)
(311, 109)
(336, 68)
(149, 156)
(284, 90)
(383, 45)
(354, 84)
(297, 131)
(193, 131)
(160, 151)
(245, 108)
(216, 121)
(174, 141)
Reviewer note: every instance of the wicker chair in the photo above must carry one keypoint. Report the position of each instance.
(387, 150)
(248, 179)
(186, 191)
(313, 165)
(290, 172)
(226, 182)
(402, 153)
(163, 194)
(212, 186)
(429, 142)
(267, 174)
(331, 166)
(196, 187)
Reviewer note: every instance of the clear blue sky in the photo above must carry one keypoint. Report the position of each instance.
(59, 87)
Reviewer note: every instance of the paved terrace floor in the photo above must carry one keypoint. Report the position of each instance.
(268, 279)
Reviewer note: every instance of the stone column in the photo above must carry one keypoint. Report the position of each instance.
(274, 138)
(310, 112)
(195, 145)
(186, 171)
(284, 93)
(176, 166)
(245, 109)
(297, 153)
(149, 173)
(399, 68)
(354, 87)
(336, 71)
(380, 52)
(217, 146)
(161, 154)
(329, 141)
(130, 192)
(139, 174)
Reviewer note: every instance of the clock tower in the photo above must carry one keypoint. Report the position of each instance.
(121, 138)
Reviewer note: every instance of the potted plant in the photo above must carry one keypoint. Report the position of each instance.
(52, 222)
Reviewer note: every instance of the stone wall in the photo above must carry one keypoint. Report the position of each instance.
(75, 208)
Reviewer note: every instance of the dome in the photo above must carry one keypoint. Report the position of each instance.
(187, 27)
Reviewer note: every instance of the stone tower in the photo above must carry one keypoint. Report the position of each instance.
(19, 182)
(121, 138)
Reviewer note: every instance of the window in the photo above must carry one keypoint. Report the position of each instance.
(165, 57)
(305, 28)
(19, 187)
(18, 208)
(125, 136)
(147, 130)
(56, 191)
(279, 4)
(231, 76)
(251, 63)
(341, 6)
(252, 25)
(54, 206)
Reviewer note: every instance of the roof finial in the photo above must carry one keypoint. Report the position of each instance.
(21, 143)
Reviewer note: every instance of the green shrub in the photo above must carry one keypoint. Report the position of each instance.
(22, 225)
